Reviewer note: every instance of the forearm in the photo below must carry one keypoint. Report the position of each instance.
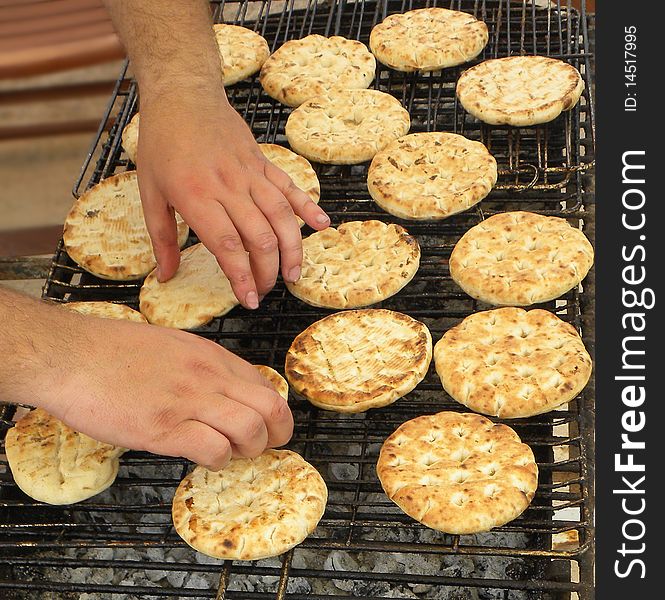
(34, 338)
(170, 44)
(136, 385)
(196, 155)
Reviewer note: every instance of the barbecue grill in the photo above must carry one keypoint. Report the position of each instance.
(364, 546)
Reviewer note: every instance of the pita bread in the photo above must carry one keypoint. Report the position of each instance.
(315, 65)
(194, 296)
(520, 258)
(52, 463)
(458, 473)
(241, 50)
(105, 232)
(359, 359)
(428, 39)
(106, 310)
(252, 508)
(431, 175)
(346, 127)
(358, 264)
(512, 363)
(520, 90)
(297, 168)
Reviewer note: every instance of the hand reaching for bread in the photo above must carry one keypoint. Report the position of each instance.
(139, 386)
(200, 159)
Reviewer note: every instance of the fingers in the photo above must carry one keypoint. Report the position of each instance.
(279, 214)
(161, 224)
(300, 202)
(272, 408)
(243, 426)
(247, 231)
(199, 443)
(217, 232)
(260, 239)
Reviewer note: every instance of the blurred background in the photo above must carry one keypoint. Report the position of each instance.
(59, 60)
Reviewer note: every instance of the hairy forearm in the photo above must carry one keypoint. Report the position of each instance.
(35, 338)
(169, 42)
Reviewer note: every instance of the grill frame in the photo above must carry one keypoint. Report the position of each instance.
(31, 531)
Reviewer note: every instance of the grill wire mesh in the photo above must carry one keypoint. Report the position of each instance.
(364, 546)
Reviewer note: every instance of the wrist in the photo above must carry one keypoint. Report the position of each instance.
(179, 93)
(37, 357)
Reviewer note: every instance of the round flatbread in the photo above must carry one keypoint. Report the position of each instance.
(105, 231)
(346, 127)
(458, 473)
(297, 168)
(106, 310)
(512, 363)
(194, 296)
(130, 138)
(252, 508)
(431, 175)
(358, 264)
(52, 463)
(242, 51)
(278, 382)
(520, 90)
(315, 65)
(355, 360)
(428, 39)
(520, 258)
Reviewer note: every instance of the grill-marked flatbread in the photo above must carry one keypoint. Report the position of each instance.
(107, 310)
(278, 382)
(359, 359)
(130, 137)
(52, 463)
(194, 296)
(105, 232)
(242, 52)
(297, 168)
(357, 264)
(431, 175)
(458, 473)
(347, 126)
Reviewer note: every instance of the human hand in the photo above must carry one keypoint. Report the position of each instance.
(160, 390)
(197, 156)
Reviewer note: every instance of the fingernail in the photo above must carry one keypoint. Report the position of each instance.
(252, 300)
(294, 274)
(322, 219)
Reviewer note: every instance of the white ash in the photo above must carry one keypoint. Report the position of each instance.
(381, 564)
(298, 585)
(344, 471)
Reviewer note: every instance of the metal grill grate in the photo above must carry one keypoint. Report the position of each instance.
(545, 554)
